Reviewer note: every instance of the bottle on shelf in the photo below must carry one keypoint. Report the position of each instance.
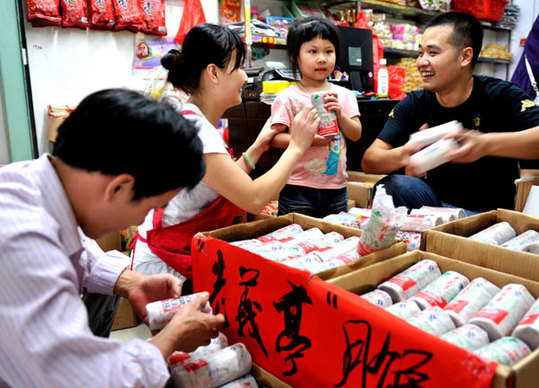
(382, 91)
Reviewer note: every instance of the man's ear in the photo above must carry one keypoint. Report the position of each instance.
(466, 56)
(120, 187)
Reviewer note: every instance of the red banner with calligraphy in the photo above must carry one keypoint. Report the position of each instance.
(311, 333)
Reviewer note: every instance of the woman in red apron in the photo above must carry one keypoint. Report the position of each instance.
(209, 69)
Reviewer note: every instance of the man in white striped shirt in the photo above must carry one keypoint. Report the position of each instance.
(118, 155)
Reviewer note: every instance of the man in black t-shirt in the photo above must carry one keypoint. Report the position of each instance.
(502, 123)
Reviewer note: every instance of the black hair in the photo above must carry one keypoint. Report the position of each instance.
(118, 131)
(203, 45)
(304, 30)
(467, 31)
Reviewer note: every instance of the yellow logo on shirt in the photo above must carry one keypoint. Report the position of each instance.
(527, 104)
(391, 114)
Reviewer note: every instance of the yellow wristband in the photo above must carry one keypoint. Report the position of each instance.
(249, 160)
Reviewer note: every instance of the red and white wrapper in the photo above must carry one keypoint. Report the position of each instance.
(247, 381)
(378, 297)
(360, 212)
(344, 219)
(161, 312)
(469, 337)
(412, 239)
(214, 369)
(470, 300)
(344, 247)
(410, 281)
(495, 234)
(441, 290)
(281, 234)
(433, 320)
(523, 241)
(528, 328)
(405, 309)
(420, 223)
(506, 350)
(446, 213)
(501, 315)
(328, 118)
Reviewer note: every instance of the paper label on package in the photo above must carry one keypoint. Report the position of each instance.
(457, 306)
(529, 320)
(493, 314)
(432, 298)
(405, 282)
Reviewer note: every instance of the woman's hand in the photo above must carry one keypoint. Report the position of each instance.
(264, 138)
(304, 127)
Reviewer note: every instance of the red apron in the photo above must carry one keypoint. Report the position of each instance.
(172, 244)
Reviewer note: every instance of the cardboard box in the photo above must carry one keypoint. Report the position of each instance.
(266, 379)
(524, 186)
(524, 374)
(451, 240)
(261, 227)
(125, 316)
(308, 332)
(362, 195)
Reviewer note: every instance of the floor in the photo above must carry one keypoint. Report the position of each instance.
(141, 331)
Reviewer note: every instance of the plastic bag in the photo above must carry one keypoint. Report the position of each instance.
(193, 14)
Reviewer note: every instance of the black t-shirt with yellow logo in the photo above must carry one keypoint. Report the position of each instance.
(494, 106)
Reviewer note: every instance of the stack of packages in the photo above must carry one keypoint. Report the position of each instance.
(503, 234)
(498, 324)
(313, 251)
(215, 365)
(412, 79)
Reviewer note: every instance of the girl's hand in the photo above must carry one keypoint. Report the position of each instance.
(264, 138)
(331, 102)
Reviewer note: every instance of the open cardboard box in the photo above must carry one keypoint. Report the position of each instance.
(524, 186)
(362, 195)
(451, 240)
(263, 216)
(309, 332)
(258, 228)
(524, 374)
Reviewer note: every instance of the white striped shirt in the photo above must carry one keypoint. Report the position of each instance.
(45, 339)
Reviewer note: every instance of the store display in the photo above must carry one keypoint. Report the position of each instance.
(410, 281)
(470, 337)
(506, 350)
(441, 290)
(528, 328)
(500, 316)
(470, 300)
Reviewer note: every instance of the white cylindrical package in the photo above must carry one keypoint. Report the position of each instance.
(287, 252)
(161, 312)
(410, 281)
(405, 309)
(532, 248)
(328, 118)
(325, 242)
(360, 212)
(431, 135)
(412, 239)
(522, 241)
(495, 234)
(433, 155)
(215, 344)
(528, 328)
(264, 249)
(502, 313)
(433, 320)
(414, 223)
(309, 234)
(378, 297)
(345, 246)
(246, 243)
(469, 337)
(303, 262)
(470, 300)
(441, 290)
(214, 369)
(446, 213)
(506, 350)
(343, 219)
(247, 381)
(281, 234)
